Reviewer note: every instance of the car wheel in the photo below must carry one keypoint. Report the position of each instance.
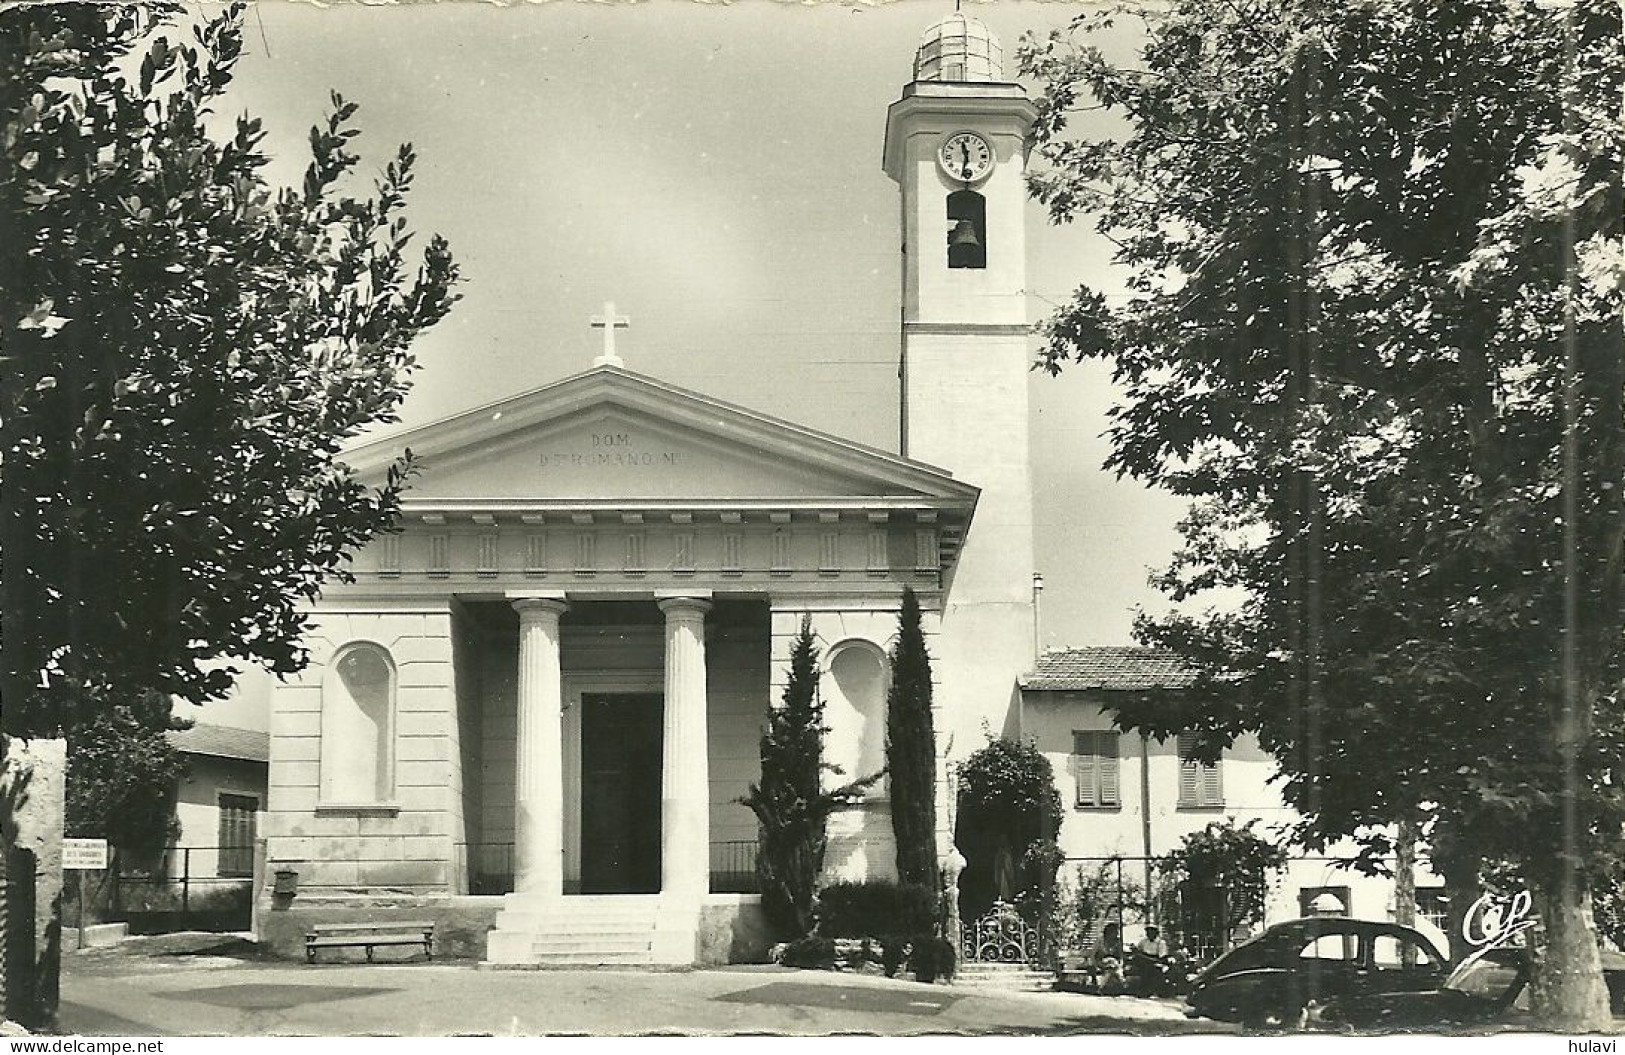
(1274, 1020)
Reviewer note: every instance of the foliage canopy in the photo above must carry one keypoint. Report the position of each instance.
(187, 349)
(1373, 333)
(123, 778)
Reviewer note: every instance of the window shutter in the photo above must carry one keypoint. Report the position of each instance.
(1189, 779)
(236, 849)
(1212, 785)
(1109, 794)
(1083, 769)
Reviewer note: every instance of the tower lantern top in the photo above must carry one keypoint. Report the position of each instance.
(959, 49)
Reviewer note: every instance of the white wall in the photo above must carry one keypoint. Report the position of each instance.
(401, 844)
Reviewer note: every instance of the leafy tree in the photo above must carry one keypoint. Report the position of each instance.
(187, 348)
(1373, 333)
(1232, 862)
(1008, 809)
(791, 804)
(123, 775)
(911, 751)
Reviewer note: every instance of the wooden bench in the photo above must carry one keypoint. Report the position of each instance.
(369, 936)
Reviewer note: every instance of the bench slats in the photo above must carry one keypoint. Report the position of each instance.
(386, 925)
(391, 939)
(369, 936)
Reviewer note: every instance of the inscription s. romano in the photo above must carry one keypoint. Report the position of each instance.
(610, 450)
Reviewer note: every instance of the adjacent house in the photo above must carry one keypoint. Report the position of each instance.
(1136, 798)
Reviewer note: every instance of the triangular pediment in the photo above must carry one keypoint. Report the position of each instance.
(611, 435)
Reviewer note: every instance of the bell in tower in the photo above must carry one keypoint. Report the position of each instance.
(967, 229)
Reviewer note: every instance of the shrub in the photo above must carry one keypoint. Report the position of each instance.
(893, 951)
(812, 952)
(911, 751)
(1007, 802)
(789, 801)
(873, 908)
(931, 958)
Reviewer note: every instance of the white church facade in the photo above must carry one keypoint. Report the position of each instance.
(537, 705)
(532, 715)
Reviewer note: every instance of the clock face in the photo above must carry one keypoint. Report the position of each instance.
(965, 156)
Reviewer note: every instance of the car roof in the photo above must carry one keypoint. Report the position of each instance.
(1315, 926)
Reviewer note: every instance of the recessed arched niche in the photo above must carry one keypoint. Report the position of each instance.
(855, 710)
(358, 726)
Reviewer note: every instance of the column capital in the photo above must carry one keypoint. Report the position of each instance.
(693, 602)
(524, 601)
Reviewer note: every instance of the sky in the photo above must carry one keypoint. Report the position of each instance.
(715, 171)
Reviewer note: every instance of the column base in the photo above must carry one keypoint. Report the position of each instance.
(677, 933)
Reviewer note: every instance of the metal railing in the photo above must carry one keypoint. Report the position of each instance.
(489, 867)
(185, 888)
(733, 867)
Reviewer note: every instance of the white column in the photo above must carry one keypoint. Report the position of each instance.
(685, 781)
(538, 825)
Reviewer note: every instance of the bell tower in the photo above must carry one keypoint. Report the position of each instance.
(956, 145)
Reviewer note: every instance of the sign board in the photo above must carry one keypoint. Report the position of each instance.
(84, 853)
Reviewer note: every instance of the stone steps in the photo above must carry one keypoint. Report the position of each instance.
(1008, 977)
(575, 931)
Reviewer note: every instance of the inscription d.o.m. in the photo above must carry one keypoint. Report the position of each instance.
(609, 450)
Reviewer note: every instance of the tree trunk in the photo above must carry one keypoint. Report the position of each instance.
(1405, 875)
(1405, 885)
(1460, 872)
(1567, 991)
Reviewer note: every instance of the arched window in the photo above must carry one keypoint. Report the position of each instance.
(855, 710)
(967, 229)
(358, 726)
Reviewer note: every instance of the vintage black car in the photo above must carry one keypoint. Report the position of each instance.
(1276, 979)
(1477, 992)
(1486, 989)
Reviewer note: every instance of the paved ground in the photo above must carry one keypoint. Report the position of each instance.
(199, 985)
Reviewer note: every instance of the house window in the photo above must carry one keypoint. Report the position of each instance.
(1433, 905)
(237, 835)
(1095, 769)
(1201, 784)
(358, 727)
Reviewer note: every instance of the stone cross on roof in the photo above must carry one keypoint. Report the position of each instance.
(609, 322)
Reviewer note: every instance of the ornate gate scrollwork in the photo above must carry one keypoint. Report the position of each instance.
(1000, 936)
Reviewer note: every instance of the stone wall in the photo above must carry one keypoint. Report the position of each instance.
(402, 843)
(733, 930)
(460, 924)
(31, 819)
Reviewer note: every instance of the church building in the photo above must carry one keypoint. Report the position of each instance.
(532, 714)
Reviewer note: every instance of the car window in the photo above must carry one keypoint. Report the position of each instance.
(1485, 978)
(1339, 947)
(1393, 952)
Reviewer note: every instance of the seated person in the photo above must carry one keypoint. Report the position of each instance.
(1152, 945)
(1107, 961)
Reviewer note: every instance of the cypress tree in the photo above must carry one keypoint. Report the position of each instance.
(911, 747)
(790, 802)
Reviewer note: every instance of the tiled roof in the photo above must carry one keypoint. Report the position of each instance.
(223, 741)
(1109, 669)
